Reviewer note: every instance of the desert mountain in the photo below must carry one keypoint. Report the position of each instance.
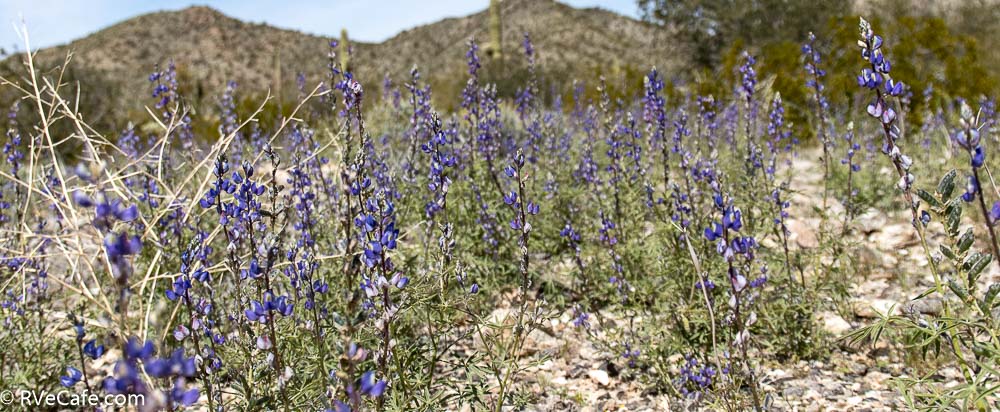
(210, 48)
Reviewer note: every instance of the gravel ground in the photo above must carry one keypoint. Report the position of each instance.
(577, 376)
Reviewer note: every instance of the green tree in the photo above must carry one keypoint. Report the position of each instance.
(707, 27)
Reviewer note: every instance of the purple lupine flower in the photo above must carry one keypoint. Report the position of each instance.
(695, 378)
(182, 396)
(852, 149)
(527, 105)
(526, 96)
(421, 123)
(874, 77)
(581, 319)
(813, 59)
(118, 246)
(121, 245)
(748, 76)
(738, 251)
(370, 386)
(126, 377)
(442, 158)
(587, 171)
(655, 115)
(968, 138)
(748, 84)
(629, 354)
(165, 91)
(609, 239)
(814, 81)
(853, 166)
(229, 121)
(73, 375)
(10, 192)
(995, 213)
(93, 350)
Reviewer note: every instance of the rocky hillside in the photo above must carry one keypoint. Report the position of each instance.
(210, 48)
(565, 37)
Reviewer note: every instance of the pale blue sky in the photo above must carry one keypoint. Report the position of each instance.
(52, 22)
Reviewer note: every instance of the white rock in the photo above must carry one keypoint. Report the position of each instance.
(876, 379)
(802, 233)
(834, 324)
(872, 308)
(600, 377)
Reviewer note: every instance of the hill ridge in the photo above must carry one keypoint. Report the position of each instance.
(210, 47)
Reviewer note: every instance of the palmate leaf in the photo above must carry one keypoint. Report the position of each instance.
(872, 333)
(927, 337)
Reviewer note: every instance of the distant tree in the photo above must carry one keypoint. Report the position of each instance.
(709, 26)
(980, 20)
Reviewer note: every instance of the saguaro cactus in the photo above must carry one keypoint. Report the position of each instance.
(277, 77)
(345, 51)
(495, 47)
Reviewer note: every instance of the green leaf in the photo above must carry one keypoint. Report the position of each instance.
(958, 290)
(969, 261)
(954, 218)
(925, 294)
(947, 184)
(978, 265)
(948, 252)
(989, 297)
(929, 198)
(966, 241)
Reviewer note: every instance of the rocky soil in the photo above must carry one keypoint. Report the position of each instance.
(579, 377)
